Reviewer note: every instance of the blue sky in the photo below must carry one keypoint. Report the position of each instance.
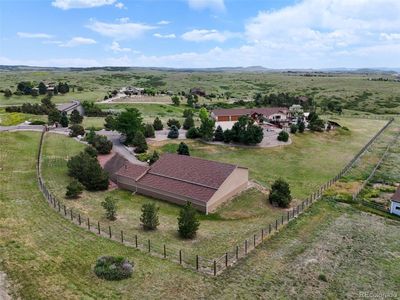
(201, 33)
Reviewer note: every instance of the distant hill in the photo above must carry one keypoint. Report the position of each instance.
(250, 69)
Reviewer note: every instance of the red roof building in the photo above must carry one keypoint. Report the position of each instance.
(233, 114)
(180, 178)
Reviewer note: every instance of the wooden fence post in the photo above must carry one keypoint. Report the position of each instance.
(262, 234)
(288, 215)
(136, 243)
(88, 223)
(276, 224)
(149, 246)
(65, 211)
(245, 247)
(109, 231)
(122, 236)
(165, 252)
(215, 268)
(79, 219)
(226, 259)
(237, 252)
(180, 257)
(197, 262)
(282, 220)
(98, 227)
(72, 216)
(254, 241)
(270, 229)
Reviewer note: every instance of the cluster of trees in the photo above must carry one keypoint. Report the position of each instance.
(86, 169)
(100, 143)
(244, 131)
(55, 116)
(188, 222)
(30, 88)
(281, 99)
(35, 109)
(93, 110)
(315, 123)
(332, 105)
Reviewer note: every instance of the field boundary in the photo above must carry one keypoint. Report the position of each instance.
(195, 262)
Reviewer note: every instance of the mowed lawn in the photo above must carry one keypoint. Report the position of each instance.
(331, 252)
(15, 118)
(310, 161)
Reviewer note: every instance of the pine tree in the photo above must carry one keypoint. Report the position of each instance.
(188, 123)
(64, 119)
(75, 117)
(74, 189)
(110, 206)
(140, 143)
(154, 157)
(173, 133)
(149, 131)
(149, 218)
(219, 134)
(90, 135)
(280, 193)
(157, 124)
(188, 222)
(183, 149)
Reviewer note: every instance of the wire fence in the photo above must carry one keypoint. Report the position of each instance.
(199, 263)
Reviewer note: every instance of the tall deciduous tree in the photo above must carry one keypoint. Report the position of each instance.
(207, 129)
(129, 123)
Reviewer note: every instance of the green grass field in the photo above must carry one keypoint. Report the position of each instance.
(355, 91)
(332, 251)
(10, 119)
(298, 163)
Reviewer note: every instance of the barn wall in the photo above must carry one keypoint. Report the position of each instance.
(234, 184)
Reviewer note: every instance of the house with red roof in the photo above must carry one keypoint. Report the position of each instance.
(395, 203)
(180, 178)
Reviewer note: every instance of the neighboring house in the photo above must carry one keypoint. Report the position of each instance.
(269, 114)
(180, 178)
(69, 107)
(129, 90)
(395, 203)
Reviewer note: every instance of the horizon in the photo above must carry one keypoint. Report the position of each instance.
(201, 34)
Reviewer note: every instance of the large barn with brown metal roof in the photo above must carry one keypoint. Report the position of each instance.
(180, 178)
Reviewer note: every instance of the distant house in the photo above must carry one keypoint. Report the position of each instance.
(198, 91)
(69, 107)
(180, 178)
(395, 203)
(269, 114)
(129, 90)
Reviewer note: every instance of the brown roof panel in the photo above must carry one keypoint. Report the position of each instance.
(132, 171)
(192, 170)
(178, 187)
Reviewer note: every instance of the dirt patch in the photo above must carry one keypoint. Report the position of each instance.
(4, 290)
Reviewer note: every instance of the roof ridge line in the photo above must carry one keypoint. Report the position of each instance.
(203, 159)
(179, 179)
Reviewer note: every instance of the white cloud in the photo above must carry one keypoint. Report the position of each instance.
(164, 22)
(215, 5)
(165, 36)
(69, 4)
(52, 42)
(120, 31)
(119, 5)
(390, 36)
(29, 35)
(78, 41)
(203, 35)
(115, 46)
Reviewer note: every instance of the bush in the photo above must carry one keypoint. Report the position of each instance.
(76, 130)
(7, 93)
(91, 151)
(157, 124)
(109, 123)
(188, 112)
(174, 122)
(140, 143)
(113, 268)
(74, 189)
(102, 144)
(280, 193)
(188, 222)
(37, 122)
(301, 127)
(193, 133)
(173, 133)
(110, 206)
(90, 135)
(293, 128)
(283, 136)
(228, 136)
(64, 119)
(188, 123)
(149, 131)
(183, 149)
(154, 157)
(149, 218)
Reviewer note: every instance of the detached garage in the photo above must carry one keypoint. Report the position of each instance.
(395, 203)
(180, 178)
